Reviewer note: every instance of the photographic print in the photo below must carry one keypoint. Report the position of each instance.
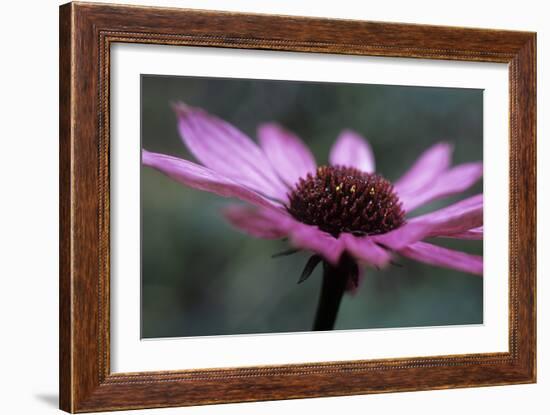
(273, 206)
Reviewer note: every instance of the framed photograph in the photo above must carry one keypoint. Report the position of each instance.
(258, 207)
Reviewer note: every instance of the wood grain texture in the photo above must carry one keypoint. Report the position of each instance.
(86, 33)
(65, 172)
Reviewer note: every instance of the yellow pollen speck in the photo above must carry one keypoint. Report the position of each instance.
(352, 190)
(371, 191)
(339, 187)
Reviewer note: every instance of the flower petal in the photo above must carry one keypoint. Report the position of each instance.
(403, 236)
(288, 155)
(453, 181)
(202, 178)
(273, 224)
(366, 250)
(426, 169)
(226, 150)
(443, 257)
(350, 149)
(312, 238)
(258, 222)
(475, 234)
(459, 217)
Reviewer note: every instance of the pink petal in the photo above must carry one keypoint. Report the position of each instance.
(453, 181)
(275, 223)
(288, 155)
(202, 178)
(403, 236)
(475, 234)
(365, 250)
(226, 150)
(352, 150)
(443, 257)
(426, 169)
(258, 222)
(312, 238)
(456, 218)
(459, 217)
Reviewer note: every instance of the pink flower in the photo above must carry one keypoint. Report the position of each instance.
(344, 208)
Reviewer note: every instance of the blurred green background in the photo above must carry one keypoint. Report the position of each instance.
(202, 277)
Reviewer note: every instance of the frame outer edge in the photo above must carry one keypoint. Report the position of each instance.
(523, 160)
(534, 226)
(528, 193)
(66, 119)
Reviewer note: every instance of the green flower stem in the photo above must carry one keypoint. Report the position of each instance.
(335, 279)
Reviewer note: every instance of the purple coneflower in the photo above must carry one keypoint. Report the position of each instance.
(344, 213)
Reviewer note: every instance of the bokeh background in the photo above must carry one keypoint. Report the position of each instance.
(202, 277)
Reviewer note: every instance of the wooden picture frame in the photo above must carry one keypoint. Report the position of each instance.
(86, 33)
